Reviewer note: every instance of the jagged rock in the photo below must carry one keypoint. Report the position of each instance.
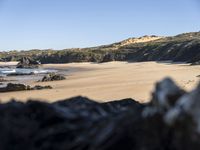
(77, 123)
(164, 97)
(166, 94)
(189, 105)
(180, 119)
(26, 62)
(53, 77)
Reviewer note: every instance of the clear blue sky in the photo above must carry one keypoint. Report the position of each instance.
(59, 24)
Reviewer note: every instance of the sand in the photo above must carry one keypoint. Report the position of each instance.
(110, 81)
(12, 63)
(140, 40)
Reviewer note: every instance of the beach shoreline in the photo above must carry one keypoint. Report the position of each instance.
(108, 81)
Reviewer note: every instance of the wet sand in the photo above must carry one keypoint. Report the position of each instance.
(109, 81)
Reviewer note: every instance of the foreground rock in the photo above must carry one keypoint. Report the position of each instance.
(22, 87)
(53, 77)
(171, 121)
(28, 63)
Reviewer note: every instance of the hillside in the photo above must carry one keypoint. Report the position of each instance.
(180, 48)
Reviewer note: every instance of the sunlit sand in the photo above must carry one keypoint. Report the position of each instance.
(110, 81)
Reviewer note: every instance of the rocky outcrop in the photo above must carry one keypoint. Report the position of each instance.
(26, 62)
(53, 77)
(22, 87)
(169, 122)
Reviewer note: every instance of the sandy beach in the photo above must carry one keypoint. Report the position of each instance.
(109, 81)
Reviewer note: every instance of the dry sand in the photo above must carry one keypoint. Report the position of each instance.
(110, 81)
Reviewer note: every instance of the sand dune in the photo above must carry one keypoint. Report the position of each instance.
(110, 81)
(140, 40)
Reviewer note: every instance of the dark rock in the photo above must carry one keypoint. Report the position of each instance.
(179, 119)
(166, 94)
(53, 77)
(195, 63)
(22, 87)
(67, 125)
(39, 87)
(20, 74)
(16, 87)
(188, 104)
(169, 122)
(26, 62)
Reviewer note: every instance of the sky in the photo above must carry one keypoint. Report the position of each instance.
(60, 24)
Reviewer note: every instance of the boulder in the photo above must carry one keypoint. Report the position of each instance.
(176, 114)
(166, 94)
(187, 105)
(17, 87)
(53, 77)
(28, 63)
(76, 123)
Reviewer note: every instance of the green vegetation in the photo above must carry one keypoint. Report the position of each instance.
(184, 47)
